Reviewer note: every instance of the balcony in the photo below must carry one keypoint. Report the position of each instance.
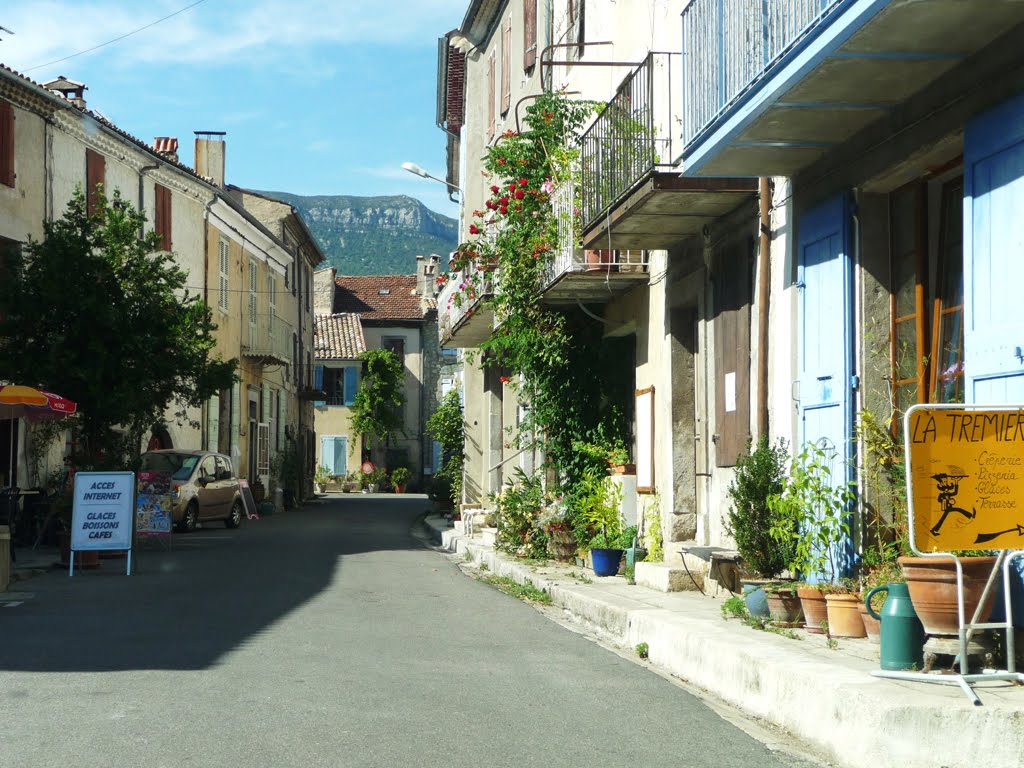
(632, 196)
(587, 276)
(769, 88)
(267, 340)
(464, 322)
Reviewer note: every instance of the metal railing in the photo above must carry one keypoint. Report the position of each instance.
(636, 131)
(453, 304)
(728, 45)
(570, 257)
(268, 336)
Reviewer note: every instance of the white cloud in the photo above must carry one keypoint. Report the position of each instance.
(264, 31)
(320, 145)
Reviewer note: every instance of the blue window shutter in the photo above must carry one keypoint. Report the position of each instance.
(318, 383)
(341, 455)
(350, 385)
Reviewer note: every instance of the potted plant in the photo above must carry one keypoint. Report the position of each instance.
(556, 522)
(811, 515)
(601, 511)
(321, 478)
(760, 474)
(400, 478)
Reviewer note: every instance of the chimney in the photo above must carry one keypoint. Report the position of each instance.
(323, 291)
(210, 155)
(426, 276)
(167, 146)
(71, 90)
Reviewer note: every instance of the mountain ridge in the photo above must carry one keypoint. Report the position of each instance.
(372, 235)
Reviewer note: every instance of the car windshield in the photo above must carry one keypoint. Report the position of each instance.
(180, 465)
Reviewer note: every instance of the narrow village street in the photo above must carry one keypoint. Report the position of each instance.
(326, 636)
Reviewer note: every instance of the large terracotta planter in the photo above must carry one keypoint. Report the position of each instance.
(843, 615)
(812, 600)
(784, 607)
(932, 585)
(871, 625)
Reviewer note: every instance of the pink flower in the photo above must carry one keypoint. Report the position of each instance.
(547, 186)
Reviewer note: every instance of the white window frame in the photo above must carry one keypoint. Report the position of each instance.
(224, 266)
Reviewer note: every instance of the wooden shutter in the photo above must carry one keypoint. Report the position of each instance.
(6, 144)
(529, 34)
(223, 266)
(490, 97)
(318, 383)
(506, 66)
(162, 223)
(732, 353)
(95, 174)
(351, 383)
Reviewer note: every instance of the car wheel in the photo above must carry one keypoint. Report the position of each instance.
(235, 518)
(191, 518)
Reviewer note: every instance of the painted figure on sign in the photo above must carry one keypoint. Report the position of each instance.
(948, 487)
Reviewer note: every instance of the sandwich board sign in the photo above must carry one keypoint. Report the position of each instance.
(103, 514)
(965, 493)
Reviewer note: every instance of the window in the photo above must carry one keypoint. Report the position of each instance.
(340, 385)
(223, 468)
(948, 340)
(529, 34)
(6, 144)
(95, 175)
(575, 32)
(506, 66)
(272, 301)
(253, 285)
(162, 218)
(490, 97)
(208, 469)
(395, 344)
(222, 298)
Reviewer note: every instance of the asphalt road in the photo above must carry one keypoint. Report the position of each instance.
(327, 636)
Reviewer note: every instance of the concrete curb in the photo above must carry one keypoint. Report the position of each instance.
(824, 697)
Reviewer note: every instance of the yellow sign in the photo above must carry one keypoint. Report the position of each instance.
(966, 472)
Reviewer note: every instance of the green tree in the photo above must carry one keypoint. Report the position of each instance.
(377, 411)
(102, 316)
(445, 424)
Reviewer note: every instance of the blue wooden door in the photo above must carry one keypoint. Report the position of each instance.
(994, 255)
(334, 454)
(825, 340)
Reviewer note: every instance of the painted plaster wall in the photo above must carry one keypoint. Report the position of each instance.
(23, 206)
(475, 404)
(336, 420)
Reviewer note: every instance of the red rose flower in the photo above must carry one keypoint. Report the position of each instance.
(520, 194)
(503, 209)
(512, 186)
(504, 200)
(523, 182)
(495, 189)
(474, 229)
(501, 161)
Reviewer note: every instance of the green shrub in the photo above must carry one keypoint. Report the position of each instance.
(760, 474)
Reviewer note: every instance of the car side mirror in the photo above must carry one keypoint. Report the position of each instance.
(203, 481)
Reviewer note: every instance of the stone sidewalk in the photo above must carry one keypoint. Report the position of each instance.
(824, 696)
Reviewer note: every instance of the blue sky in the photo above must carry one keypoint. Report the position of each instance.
(316, 97)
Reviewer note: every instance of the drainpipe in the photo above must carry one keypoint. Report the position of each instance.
(856, 527)
(764, 273)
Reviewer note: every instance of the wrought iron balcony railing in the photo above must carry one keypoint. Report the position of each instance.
(268, 338)
(636, 132)
(456, 302)
(728, 45)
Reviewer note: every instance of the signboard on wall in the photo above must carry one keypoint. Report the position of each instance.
(645, 440)
(965, 477)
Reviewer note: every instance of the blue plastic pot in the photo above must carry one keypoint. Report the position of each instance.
(605, 561)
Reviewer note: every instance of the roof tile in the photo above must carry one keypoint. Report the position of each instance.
(379, 297)
(338, 337)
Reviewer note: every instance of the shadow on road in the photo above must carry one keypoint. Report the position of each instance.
(186, 608)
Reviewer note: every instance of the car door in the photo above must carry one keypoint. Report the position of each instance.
(227, 484)
(207, 493)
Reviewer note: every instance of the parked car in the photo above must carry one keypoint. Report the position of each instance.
(203, 486)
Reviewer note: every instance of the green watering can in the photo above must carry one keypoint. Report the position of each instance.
(902, 634)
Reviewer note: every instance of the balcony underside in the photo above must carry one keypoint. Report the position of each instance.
(852, 70)
(471, 330)
(265, 358)
(592, 287)
(666, 209)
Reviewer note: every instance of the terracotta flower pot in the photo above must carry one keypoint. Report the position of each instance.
(871, 625)
(843, 615)
(812, 600)
(784, 607)
(932, 585)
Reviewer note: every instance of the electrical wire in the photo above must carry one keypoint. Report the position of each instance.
(116, 39)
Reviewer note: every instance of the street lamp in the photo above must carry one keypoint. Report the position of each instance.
(415, 169)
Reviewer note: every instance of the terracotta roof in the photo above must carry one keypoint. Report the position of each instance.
(378, 297)
(338, 337)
